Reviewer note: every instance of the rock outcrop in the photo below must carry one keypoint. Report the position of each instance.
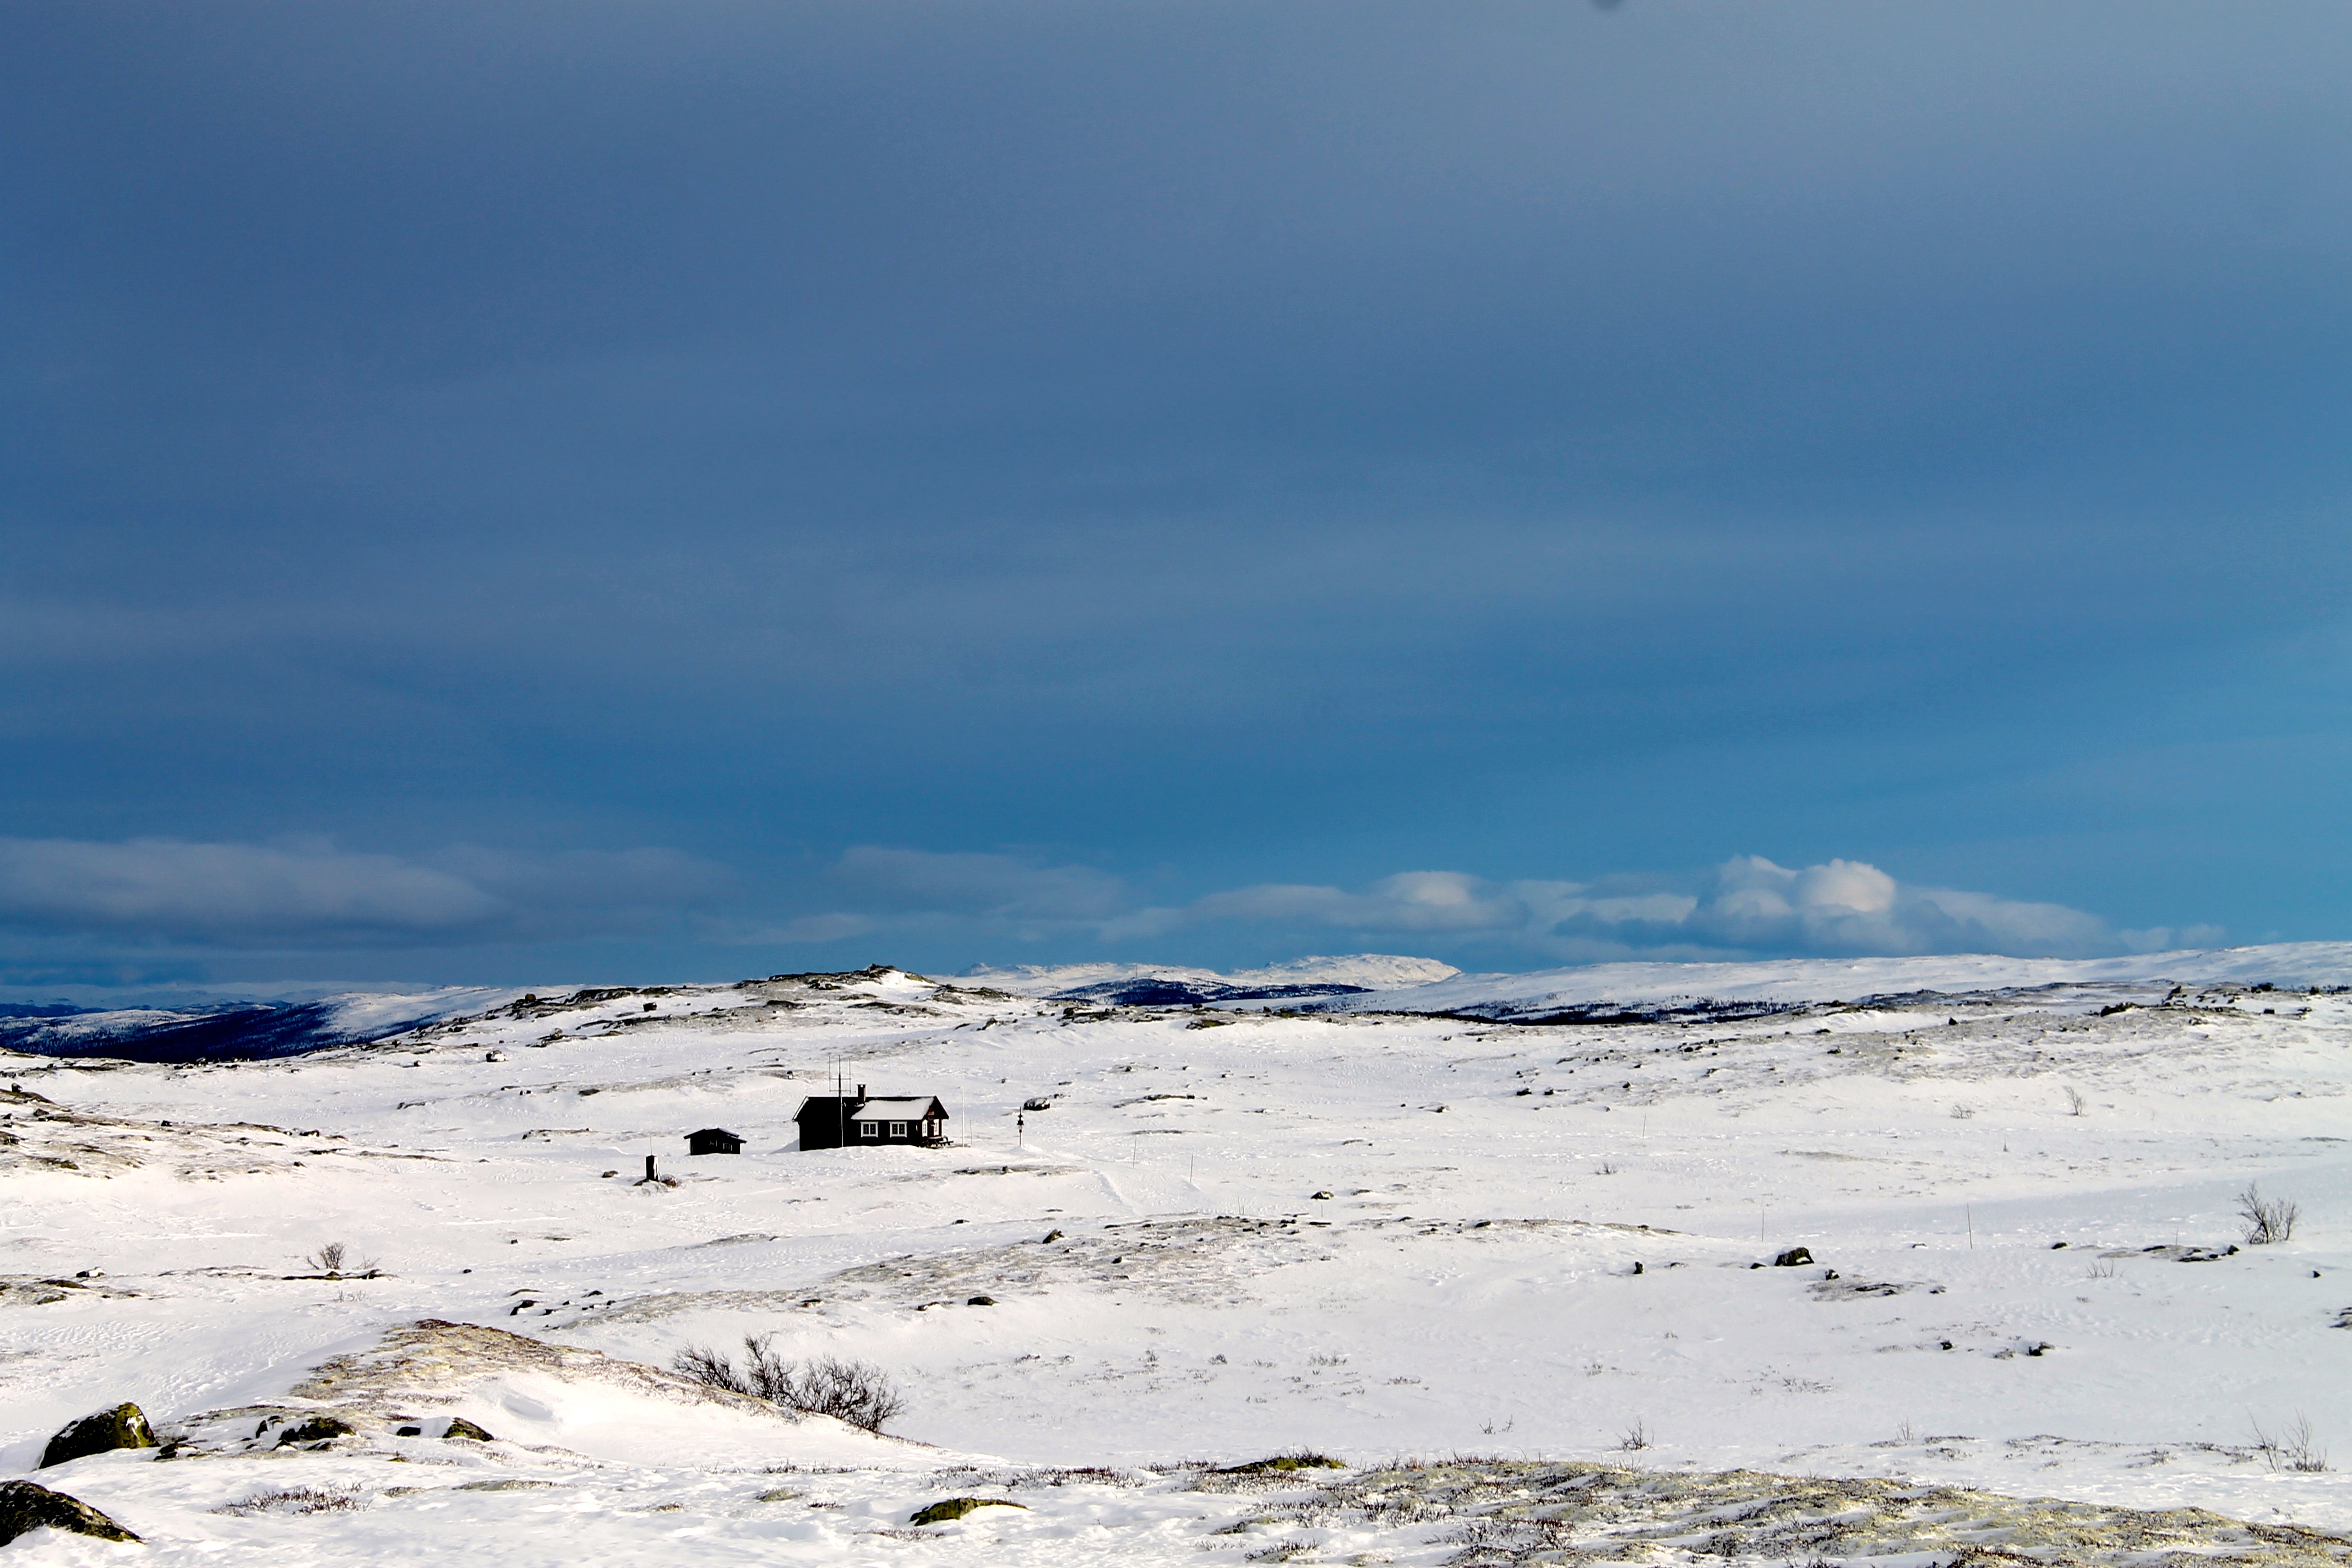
(27, 1506)
(957, 1507)
(125, 1426)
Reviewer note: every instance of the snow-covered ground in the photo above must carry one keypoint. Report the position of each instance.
(1376, 1235)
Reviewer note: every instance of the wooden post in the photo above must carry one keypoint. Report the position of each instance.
(649, 1169)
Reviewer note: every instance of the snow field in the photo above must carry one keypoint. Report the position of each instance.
(1468, 1286)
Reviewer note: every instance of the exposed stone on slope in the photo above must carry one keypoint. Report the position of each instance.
(955, 1508)
(28, 1506)
(125, 1426)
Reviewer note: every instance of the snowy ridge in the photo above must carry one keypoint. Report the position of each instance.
(1364, 971)
(1797, 981)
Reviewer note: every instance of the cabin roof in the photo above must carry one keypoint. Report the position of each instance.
(714, 1133)
(892, 1108)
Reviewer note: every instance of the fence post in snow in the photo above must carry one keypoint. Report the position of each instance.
(649, 1169)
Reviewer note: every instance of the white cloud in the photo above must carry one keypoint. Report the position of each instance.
(307, 891)
(1848, 907)
(1408, 902)
(165, 894)
(1746, 905)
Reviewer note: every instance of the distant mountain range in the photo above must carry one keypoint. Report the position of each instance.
(1165, 985)
(1360, 983)
(233, 1032)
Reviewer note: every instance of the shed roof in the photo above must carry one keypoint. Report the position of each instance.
(714, 1133)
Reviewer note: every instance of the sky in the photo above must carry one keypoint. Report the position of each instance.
(636, 492)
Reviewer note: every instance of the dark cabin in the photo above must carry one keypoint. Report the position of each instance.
(713, 1140)
(857, 1121)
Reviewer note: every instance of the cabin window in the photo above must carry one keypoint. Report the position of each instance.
(868, 1129)
(898, 1129)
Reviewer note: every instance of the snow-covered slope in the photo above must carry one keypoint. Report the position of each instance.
(1603, 986)
(1549, 1246)
(1175, 984)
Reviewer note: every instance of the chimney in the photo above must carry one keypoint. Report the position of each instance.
(861, 1091)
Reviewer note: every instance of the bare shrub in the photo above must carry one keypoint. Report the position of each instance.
(1634, 1438)
(335, 1259)
(853, 1390)
(292, 1499)
(2267, 1220)
(2075, 1104)
(2295, 1448)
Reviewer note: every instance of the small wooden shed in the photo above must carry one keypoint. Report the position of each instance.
(713, 1140)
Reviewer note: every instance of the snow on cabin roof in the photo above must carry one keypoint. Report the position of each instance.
(901, 1107)
(714, 1133)
(905, 1107)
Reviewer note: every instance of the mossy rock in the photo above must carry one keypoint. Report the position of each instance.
(27, 1505)
(957, 1507)
(316, 1429)
(1282, 1462)
(125, 1426)
(461, 1427)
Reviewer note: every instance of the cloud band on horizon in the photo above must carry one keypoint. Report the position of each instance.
(307, 894)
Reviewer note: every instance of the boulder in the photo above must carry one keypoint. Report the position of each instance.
(1795, 1258)
(957, 1507)
(125, 1426)
(461, 1427)
(316, 1429)
(27, 1505)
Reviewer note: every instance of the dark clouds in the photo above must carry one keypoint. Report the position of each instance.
(1226, 445)
(299, 893)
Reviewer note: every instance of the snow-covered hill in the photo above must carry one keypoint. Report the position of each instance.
(1552, 1248)
(1607, 987)
(1178, 986)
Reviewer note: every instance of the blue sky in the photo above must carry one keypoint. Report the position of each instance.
(646, 491)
